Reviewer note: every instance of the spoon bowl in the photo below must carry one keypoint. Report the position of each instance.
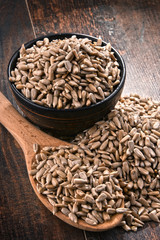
(26, 135)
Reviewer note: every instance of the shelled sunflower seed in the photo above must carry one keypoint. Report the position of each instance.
(76, 184)
(129, 143)
(68, 73)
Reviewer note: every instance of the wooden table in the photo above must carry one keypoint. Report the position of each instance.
(132, 27)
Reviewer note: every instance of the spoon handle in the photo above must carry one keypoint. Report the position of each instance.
(23, 131)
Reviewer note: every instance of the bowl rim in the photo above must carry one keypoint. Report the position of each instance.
(62, 36)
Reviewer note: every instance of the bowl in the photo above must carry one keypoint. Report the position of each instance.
(66, 122)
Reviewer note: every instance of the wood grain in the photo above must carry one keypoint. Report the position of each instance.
(22, 215)
(14, 19)
(132, 26)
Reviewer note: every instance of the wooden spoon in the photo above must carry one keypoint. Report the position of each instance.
(26, 134)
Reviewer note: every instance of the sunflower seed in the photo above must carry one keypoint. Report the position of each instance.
(73, 217)
(153, 216)
(90, 221)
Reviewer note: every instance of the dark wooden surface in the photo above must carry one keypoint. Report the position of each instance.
(132, 27)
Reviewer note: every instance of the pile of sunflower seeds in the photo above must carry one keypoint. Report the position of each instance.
(66, 74)
(120, 153)
(129, 143)
(77, 184)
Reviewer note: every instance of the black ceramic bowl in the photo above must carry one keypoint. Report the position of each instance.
(66, 122)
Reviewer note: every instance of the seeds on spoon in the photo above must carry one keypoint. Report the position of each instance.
(70, 191)
(104, 160)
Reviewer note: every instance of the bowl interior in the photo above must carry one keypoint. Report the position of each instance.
(13, 61)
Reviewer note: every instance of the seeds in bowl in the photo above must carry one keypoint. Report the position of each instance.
(78, 185)
(66, 74)
(128, 143)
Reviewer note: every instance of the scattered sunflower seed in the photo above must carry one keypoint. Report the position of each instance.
(128, 161)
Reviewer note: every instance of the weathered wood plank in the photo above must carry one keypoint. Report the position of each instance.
(22, 216)
(132, 27)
